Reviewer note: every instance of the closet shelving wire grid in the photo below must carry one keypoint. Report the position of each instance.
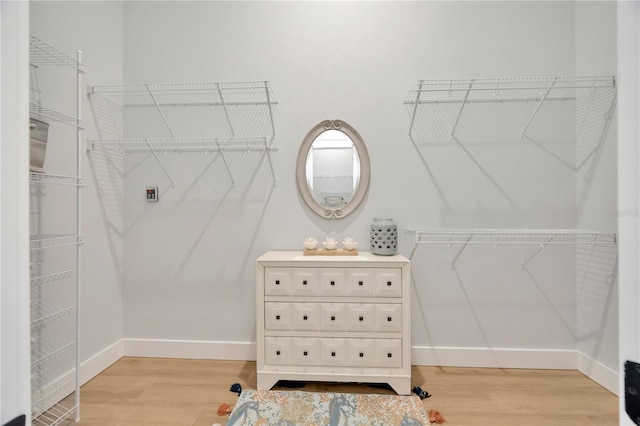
(48, 403)
(437, 108)
(217, 117)
(541, 237)
(213, 116)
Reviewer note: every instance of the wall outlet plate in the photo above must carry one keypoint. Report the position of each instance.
(152, 194)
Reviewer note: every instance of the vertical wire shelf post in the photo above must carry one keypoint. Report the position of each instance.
(47, 390)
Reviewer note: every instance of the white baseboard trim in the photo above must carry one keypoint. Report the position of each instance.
(598, 372)
(551, 359)
(194, 349)
(494, 357)
(88, 370)
(100, 361)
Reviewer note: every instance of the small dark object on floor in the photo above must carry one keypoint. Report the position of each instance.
(291, 384)
(384, 386)
(236, 388)
(632, 390)
(421, 393)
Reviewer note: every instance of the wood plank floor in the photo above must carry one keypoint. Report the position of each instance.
(178, 392)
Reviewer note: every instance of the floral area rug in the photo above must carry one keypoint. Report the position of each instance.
(289, 408)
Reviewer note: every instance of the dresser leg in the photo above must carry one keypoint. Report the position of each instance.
(266, 382)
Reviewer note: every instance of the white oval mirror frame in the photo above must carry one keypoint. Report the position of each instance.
(362, 186)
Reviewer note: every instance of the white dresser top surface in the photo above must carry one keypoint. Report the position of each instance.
(298, 257)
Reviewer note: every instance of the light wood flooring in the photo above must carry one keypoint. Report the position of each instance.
(178, 392)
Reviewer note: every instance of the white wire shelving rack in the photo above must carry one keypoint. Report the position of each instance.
(218, 117)
(450, 101)
(462, 238)
(55, 396)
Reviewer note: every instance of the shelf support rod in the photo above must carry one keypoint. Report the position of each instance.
(464, 102)
(226, 165)
(268, 153)
(273, 127)
(273, 132)
(535, 112)
(542, 246)
(153, 98)
(415, 108)
(455, 259)
(226, 113)
(160, 163)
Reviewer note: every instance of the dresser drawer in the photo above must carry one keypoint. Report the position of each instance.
(333, 352)
(332, 282)
(388, 283)
(306, 351)
(361, 353)
(388, 353)
(277, 316)
(277, 350)
(388, 318)
(277, 282)
(360, 282)
(360, 317)
(304, 282)
(306, 316)
(333, 317)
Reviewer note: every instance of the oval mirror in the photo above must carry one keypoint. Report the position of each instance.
(332, 172)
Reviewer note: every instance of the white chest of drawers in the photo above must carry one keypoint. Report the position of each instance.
(333, 318)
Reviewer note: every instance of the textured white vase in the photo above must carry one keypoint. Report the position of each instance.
(384, 237)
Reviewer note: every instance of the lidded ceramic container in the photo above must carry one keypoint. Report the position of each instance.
(384, 237)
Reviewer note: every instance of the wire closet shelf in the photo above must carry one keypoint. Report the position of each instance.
(161, 118)
(42, 54)
(540, 237)
(516, 102)
(194, 116)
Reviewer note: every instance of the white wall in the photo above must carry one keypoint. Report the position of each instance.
(189, 269)
(15, 384)
(628, 187)
(596, 203)
(95, 28)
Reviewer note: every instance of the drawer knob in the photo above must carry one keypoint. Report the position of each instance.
(304, 317)
(305, 353)
(389, 283)
(277, 282)
(278, 353)
(389, 355)
(361, 354)
(361, 318)
(360, 283)
(333, 317)
(333, 283)
(277, 317)
(304, 282)
(389, 319)
(333, 354)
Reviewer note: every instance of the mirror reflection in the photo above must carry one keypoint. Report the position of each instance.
(333, 169)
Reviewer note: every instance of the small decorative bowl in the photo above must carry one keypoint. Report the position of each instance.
(330, 243)
(349, 243)
(310, 243)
